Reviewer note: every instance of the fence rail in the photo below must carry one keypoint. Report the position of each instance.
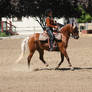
(85, 26)
(7, 26)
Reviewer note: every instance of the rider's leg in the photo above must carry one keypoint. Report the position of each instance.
(50, 33)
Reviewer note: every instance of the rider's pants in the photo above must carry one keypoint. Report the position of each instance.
(51, 36)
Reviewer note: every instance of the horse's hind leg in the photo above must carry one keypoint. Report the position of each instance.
(41, 53)
(29, 58)
(62, 59)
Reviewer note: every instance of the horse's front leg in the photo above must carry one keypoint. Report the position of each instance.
(67, 57)
(62, 59)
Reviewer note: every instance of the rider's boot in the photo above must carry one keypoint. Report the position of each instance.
(51, 45)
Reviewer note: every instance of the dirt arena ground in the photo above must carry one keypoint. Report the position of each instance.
(17, 77)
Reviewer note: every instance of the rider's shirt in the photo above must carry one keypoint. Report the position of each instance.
(50, 22)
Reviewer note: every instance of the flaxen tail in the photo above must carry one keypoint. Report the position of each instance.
(24, 45)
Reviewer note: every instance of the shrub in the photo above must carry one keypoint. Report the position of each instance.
(3, 34)
(85, 17)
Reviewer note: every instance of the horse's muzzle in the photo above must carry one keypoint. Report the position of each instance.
(76, 37)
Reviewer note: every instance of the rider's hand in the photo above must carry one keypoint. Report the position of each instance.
(56, 27)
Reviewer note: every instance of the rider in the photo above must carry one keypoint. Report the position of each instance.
(49, 27)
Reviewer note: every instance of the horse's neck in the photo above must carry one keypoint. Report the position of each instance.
(65, 31)
(65, 38)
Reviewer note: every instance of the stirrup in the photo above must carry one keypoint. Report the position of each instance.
(51, 49)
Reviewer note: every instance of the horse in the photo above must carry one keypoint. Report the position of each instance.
(34, 44)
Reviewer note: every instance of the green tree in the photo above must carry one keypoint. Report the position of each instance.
(37, 8)
(85, 17)
(5, 8)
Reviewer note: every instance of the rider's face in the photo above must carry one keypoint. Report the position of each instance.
(50, 14)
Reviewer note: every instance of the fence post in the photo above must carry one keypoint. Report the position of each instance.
(86, 26)
(2, 26)
(6, 26)
(10, 26)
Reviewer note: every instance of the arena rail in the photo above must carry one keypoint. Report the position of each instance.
(8, 27)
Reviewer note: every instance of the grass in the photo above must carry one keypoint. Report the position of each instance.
(3, 34)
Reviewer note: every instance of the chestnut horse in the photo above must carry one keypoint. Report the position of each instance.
(34, 44)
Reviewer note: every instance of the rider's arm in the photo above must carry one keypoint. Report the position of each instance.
(48, 23)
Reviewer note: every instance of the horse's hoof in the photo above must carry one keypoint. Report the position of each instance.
(56, 68)
(72, 68)
(37, 69)
(47, 65)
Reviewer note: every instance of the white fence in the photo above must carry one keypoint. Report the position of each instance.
(85, 26)
(28, 25)
(29, 30)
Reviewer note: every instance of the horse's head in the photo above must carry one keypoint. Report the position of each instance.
(74, 31)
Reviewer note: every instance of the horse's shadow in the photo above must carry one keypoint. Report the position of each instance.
(64, 69)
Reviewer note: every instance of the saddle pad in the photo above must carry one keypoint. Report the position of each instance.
(58, 36)
(44, 36)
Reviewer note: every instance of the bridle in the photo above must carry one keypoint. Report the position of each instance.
(75, 31)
